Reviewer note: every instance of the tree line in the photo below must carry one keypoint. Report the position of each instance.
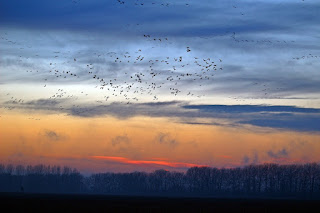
(265, 180)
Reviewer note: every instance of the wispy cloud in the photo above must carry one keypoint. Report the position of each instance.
(279, 117)
(121, 139)
(253, 159)
(52, 135)
(279, 154)
(166, 138)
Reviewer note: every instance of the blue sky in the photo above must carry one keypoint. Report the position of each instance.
(265, 52)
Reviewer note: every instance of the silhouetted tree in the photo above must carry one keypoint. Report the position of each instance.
(253, 180)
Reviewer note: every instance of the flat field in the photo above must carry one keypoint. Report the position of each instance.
(19, 202)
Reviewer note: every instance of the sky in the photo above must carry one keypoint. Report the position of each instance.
(140, 85)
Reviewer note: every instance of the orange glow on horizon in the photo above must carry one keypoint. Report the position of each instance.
(145, 144)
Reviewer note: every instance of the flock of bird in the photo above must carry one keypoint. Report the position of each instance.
(262, 41)
(306, 57)
(143, 3)
(142, 74)
(163, 4)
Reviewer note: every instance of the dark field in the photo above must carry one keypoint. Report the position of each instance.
(18, 202)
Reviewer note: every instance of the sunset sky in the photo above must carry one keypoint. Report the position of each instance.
(140, 85)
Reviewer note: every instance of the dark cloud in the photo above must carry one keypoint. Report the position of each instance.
(121, 139)
(94, 15)
(44, 102)
(293, 122)
(250, 108)
(166, 138)
(124, 111)
(47, 105)
(163, 103)
(282, 117)
(245, 159)
(279, 154)
(204, 123)
(254, 159)
(52, 135)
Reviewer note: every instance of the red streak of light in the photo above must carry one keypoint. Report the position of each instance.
(147, 162)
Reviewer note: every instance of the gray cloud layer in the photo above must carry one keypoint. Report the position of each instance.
(280, 117)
